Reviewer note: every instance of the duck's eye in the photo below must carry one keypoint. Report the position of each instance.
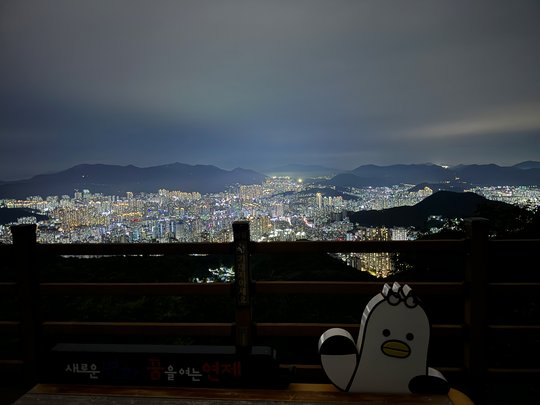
(409, 336)
(386, 332)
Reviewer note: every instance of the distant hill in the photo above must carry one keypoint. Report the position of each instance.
(447, 204)
(530, 164)
(408, 174)
(117, 180)
(493, 175)
(525, 174)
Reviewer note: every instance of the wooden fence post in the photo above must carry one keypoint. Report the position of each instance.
(24, 241)
(476, 302)
(243, 282)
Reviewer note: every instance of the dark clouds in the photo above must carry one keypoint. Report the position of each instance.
(258, 83)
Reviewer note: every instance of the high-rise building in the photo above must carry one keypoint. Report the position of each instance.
(399, 234)
(319, 199)
(377, 264)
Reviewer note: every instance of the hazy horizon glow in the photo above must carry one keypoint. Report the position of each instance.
(259, 84)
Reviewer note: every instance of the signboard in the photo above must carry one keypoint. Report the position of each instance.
(164, 365)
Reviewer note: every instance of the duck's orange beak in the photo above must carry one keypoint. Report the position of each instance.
(396, 348)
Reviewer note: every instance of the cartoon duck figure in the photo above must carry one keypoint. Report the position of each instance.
(390, 355)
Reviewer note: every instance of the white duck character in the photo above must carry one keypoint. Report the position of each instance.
(390, 355)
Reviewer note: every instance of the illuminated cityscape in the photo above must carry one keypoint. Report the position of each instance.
(280, 209)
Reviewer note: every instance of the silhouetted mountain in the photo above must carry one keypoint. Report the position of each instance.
(9, 215)
(116, 180)
(372, 175)
(493, 175)
(408, 174)
(529, 164)
(447, 204)
(113, 179)
(525, 174)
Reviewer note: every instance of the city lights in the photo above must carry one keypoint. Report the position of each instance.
(280, 209)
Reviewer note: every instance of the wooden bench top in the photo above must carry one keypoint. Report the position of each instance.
(298, 393)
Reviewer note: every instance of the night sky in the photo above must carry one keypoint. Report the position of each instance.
(263, 83)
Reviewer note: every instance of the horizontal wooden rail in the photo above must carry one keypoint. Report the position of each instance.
(136, 288)
(100, 249)
(353, 287)
(514, 371)
(11, 365)
(262, 287)
(9, 328)
(8, 289)
(450, 245)
(316, 329)
(514, 287)
(515, 328)
(137, 328)
(443, 245)
(265, 329)
(104, 249)
(515, 245)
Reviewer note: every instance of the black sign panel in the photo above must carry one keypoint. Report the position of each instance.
(164, 365)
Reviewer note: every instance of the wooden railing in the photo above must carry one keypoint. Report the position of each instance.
(474, 291)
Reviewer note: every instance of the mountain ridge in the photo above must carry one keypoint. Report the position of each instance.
(447, 204)
(117, 179)
(526, 174)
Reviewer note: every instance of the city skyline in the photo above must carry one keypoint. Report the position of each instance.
(260, 84)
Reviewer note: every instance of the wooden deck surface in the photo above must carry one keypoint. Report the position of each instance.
(308, 394)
